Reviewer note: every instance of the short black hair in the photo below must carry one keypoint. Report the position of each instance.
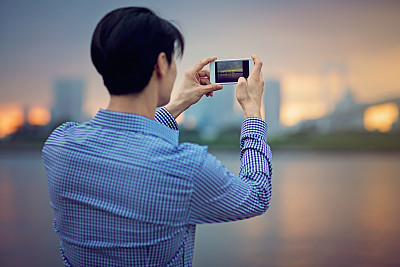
(126, 44)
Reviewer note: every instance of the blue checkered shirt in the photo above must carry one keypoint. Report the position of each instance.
(126, 193)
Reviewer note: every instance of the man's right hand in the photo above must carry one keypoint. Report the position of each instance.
(196, 84)
(249, 92)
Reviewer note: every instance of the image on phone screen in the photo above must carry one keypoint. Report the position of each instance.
(230, 71)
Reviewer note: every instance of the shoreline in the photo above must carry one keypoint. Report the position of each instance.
(16, 148)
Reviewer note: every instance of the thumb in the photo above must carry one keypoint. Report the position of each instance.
(242, 82)
(241, 89)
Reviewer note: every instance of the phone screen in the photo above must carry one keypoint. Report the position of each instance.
(230, 71)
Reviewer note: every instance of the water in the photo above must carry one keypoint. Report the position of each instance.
(328, 209)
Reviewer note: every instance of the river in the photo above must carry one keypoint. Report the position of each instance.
(327, 209)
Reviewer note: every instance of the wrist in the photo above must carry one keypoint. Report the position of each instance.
(252, 113)
(175, 107)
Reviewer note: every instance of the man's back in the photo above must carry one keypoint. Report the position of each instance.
(121, 184)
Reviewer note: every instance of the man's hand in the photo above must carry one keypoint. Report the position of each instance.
(196, 83)
(249, 92)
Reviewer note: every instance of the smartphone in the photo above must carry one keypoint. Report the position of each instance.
(228, 71)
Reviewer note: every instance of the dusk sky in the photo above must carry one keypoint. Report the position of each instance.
(44, 40)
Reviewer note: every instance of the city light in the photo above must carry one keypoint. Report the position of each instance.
(11, 117)
(381, 117)
(39, 116)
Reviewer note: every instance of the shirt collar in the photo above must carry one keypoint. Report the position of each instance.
(135, 123)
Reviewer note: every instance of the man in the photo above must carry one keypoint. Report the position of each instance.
(124, 191)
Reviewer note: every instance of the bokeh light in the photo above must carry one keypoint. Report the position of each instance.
(381, 117)
(39, 116)
(11, 117)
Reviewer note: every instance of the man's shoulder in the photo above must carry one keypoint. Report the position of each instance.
(62, 133)
(193, 152)
(192, 147)
(61, 130)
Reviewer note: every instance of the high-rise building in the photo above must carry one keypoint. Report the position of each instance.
(212, 115)
(272, 104)
(334, 81)
(68, 100)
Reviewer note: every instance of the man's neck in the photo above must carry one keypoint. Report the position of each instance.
(144, 103)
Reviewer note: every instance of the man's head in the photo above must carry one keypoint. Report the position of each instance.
(126, 45)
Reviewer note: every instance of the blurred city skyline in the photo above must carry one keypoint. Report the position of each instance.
(312, 47)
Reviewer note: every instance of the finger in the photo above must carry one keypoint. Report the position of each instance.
(211, 88)
(200, 65)
(241, 80)
(241, 83)
(257, 66)
(204, 73)
(204, 81)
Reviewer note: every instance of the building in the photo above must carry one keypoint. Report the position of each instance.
(272, 105)
(68, 100)
(211, 115)
(334, 80)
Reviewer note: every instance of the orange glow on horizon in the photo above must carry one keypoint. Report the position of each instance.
(11, 117)
(293, 113)
(301, 98)
(39, 116)
(381, 117)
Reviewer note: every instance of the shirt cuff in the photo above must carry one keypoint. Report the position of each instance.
(163, 116)
(253, 143)
(253, 127)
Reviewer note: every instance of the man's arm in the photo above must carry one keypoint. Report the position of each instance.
(163, 116)
(219, 195)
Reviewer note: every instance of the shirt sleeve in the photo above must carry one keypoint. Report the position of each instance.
(220, 196)
(163, 116)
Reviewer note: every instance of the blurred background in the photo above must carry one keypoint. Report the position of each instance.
(331, 101)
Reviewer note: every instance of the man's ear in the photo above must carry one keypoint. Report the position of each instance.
(162, 65)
